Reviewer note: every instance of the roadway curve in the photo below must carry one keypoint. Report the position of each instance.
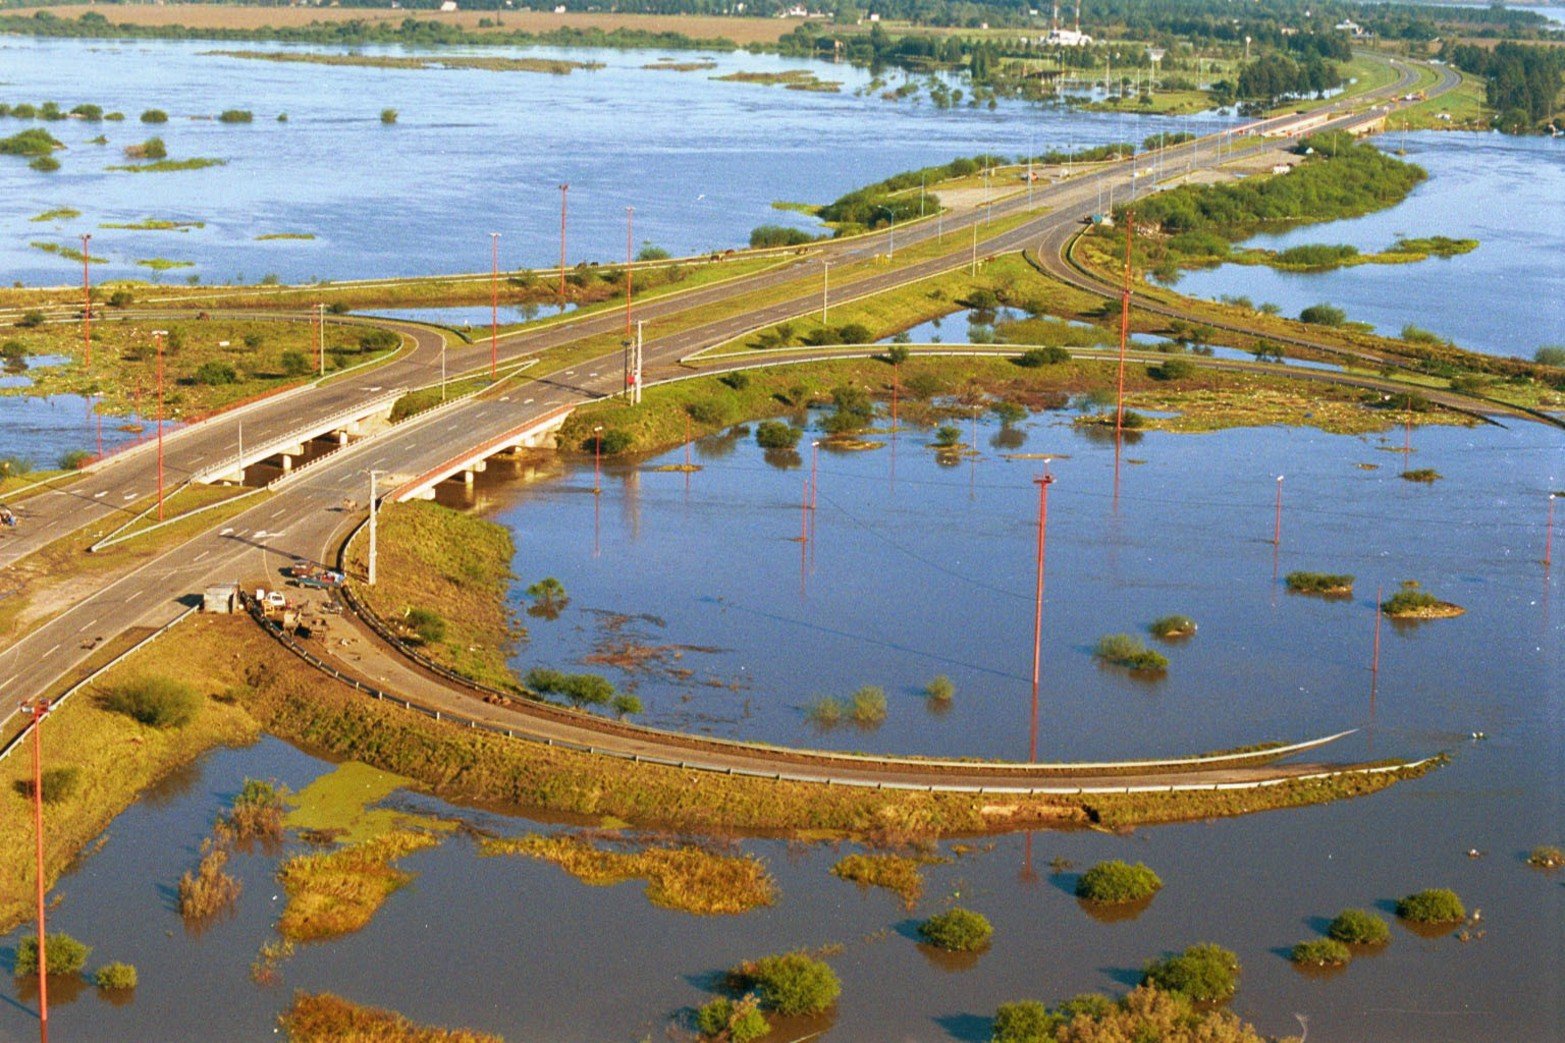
(305, 519)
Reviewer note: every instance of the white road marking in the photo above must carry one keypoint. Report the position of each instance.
(51, 650)
(130, 496)
(226, 532)
(198, 557)
(527, 401)
(98, 495)
(89, 626)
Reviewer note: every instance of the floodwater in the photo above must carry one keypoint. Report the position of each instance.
(1501, 299)
(474, 315)
(42, 429)
(933, 574)
(472, 152)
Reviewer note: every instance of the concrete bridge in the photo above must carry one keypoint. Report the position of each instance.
(338, 430)
(532, 434)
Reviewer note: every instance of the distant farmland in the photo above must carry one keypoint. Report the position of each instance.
(223, 16)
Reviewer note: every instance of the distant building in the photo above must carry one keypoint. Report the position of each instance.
(1067, 38)
(1348, 25)
(448, 6)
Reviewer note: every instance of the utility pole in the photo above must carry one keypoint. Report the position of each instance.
(825, 287)
(1037, 615)
(975, 248)
(494, 304)
(636, 374)
(564, 189)
(40, 708)
(86, 303)
(241, 452)
(158, 335)
(597, 460)
(1548, 534)
(374, 514)
(320, 336)
(1374, 662)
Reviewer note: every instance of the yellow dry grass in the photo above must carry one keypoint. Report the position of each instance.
(338, 892)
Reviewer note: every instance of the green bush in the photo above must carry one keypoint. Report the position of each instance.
(1321, 952)
(1205, 973)
(294, 363)
(957, 930)
(379, 340)
(216, 373)
(1172, 626)
(115, 976)
(1358, 927)
(854, 333)
(58, 784)
(946, 436)
(1033, 358)
(1025, 1021)
(235, 116)
(121, 298)
(1116, 883)
(33, 142)
(1550, 355)
(789, 983)
(1173, 369)
(1427, 475)
(713, 412)
(65, 954)
(774, 434)
(738, 1021)
(152, 148)
(1125, 650)
(388, 116)
(154, 116)
(626, 703)
(778, 235)
(1319, 582)
(941, 690)
(826, 709)
(738, 380)
(74, 459)
(1408, 598)
(1323, 315)
(158, 702)
(580, 689)
(47, 164)
(1435, 905)
(868, 705)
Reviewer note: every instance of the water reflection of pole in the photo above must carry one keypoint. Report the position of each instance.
(39, 709)
(1028, 875)
(1548, 536)
(158, 335)
(494, 303)
(597, 460)
(687, 456)
(597, 526)
(1277, 523)
(1037, 615)
(564, 190)
(1124, 331)
(1374, 663)
(86, 305)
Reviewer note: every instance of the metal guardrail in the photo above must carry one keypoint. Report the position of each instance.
(298, 434)
(453, 464)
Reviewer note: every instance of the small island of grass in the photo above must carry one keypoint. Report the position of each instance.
(957, 930)
(164, 166)
(1171, 628)
(1118, 883)
(1358, 927)
(1320, 952)
(1546, 856)
(1427, 475)
(1324, 584)
(1411, 602)
(1129, 652)
(1439, 905)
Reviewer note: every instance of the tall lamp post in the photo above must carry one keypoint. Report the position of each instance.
(86, 303)
(1043, 484)
(40, 708)
(158, 335)
(494, 305)
(374, 513)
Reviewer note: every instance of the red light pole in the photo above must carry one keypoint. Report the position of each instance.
(320, 337)
(1037, 615)
(86, 303)
(158, 336)
(815, 485)
(40, 708)
(564, 188)
(1124, 328)
(1374, 663)
(1277, 524)
(494, 302)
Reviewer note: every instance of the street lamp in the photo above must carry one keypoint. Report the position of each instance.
(825, 286)
(158, 335)
(597, 459)
(374, 514)
(494, 303)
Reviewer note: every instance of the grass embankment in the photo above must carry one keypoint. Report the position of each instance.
(209, 364)
(555, 66)
(443, 577)
(338, 892)
(114, 759)
(62, 572)
(1466, 107)
(690, 879)
(324, 1018)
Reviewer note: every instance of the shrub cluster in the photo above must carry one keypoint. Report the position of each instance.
(1358, 927)
(1205, 973)
(1433, 906)
(1320, 952)
(957, 930)
(1319, 582)
(580, 689)
(788, 983)
(1116, 882)
(65, 954)
(1125, 650)
(159, 702)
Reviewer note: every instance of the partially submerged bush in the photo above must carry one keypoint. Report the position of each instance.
(580, 689)
(1435, 905)
(1358, 927)
(1205, 973)
(868, 705)
(1127, 651)
(774, 434)
(115, 976)
(1168, 627)
(957, 930)
(940, 689)
(209, 889)
(1320, 952)
(1427, 475)
(65, 954)
(158, 702)
(826, 709)
(1116, 882)
(738, 1021)
(1542, 857)
(789, 983)
(257, 811)
(1411, 600)
(1338, 584)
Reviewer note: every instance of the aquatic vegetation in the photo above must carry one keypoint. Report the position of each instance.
(735, 1020)
(1127, 651)
(322, 1017)
(65, 954)
(899, 874)
(63, 213)
(1327, 584)
(690, 879)
(116, 976)
(209, 889)
(338, 892)
(940, 688)
(867, 705)
(1358, 927)
(257, 811)
(957, 930)
(1205, 973)
(164, 166)
(1546, 856)
(1436, 905)
(1116, 882)
(788, 983)
(1427, 475)
(1412, 602)
(1144, 1013)
(1170, 627)
(1320, 952)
